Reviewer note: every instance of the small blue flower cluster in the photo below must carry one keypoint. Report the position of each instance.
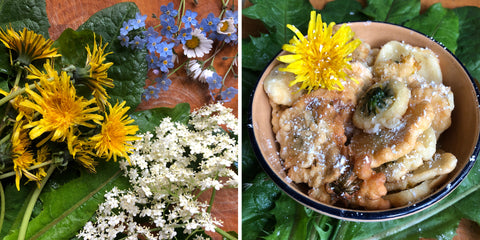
(178, 28)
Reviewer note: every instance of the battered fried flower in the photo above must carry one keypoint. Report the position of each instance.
(116, 134)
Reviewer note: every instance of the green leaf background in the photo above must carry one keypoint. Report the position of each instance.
(457, 29)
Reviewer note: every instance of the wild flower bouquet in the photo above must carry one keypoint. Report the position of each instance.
(67, 108)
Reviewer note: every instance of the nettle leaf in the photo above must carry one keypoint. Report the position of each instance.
(257, 52)
(67, 208)
(277, 14)
(439, 23)
(129, 69)
(31, 14)
(393, 11)
(257, 198)
(468, 42)
(343, 11)
(147, 120)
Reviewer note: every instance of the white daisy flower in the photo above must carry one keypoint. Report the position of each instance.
(226, 26)
(198, 46)
(194, 69)
(205, 74)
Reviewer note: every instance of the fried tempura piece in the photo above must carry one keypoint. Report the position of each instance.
(277, 86)
(390, 144)
(441, 163)
(416, 193)
(424, 149)
(441, 98)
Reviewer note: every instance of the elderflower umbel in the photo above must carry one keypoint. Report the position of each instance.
(169, 168)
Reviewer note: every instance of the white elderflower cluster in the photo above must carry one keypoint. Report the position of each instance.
(169, 169)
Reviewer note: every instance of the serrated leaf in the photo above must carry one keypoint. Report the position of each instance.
(31, 14)
(342, 11)
(71, 45)
(468, 42)
(277, 14)
(129, 70)
(68, 208)
(147, 120)
(439, 23)
(257, 198)
(259, 51)
(393, 11)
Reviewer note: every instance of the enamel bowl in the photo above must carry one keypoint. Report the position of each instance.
(461, 139)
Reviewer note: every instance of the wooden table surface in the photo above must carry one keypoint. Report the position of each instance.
(71, 14)
(467, 229)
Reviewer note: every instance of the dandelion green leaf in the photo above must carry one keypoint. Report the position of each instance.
(129, 69)
(257, 52)
(393, 11)
(439, 23)
(31, 14)
(15, 204)
(147, 120)
(67, 208)
(468, 42)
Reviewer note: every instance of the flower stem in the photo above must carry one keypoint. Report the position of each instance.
(17, 79)
(176, 69)
(9, 174)
(31, 203)
(212, 198)
(2, 206)
(14, 94)
(224, 234)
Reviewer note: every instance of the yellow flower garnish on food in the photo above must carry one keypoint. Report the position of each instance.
(320, 59)
(60, 108)
(28, 45)
(116, 134)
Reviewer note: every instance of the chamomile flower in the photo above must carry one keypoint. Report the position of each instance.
(320, 59)
(28, 45)
(198, 46)
(60, 109)
(117, 133)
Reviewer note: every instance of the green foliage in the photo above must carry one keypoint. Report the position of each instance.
(439, 23)
(341, 11)
(257, 198)
(68, 46)
(147, 120)
(67, 208)
(31, 14)
(129, 69)
(468, 42)
(393, 11)
(257, 52)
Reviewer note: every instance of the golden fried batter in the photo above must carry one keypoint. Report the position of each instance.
(390, 144)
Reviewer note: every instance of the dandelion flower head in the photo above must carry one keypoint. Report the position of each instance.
(116, 135)
(320, 59)
(28, 45)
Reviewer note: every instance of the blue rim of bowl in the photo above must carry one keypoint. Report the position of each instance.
(364, 215)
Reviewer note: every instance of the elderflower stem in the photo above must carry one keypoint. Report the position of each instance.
(2, 206)
(224, 234)
(31, 203)
(212, 198)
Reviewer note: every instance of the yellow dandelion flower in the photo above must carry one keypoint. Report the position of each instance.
(21, 155)
(28, 45)
(60, 108)
(116, 134)
(96, 69)
(320, 59)
(43, 155)
(49, 75)
(82, 152)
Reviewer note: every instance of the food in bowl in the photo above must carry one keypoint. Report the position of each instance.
(372, 145)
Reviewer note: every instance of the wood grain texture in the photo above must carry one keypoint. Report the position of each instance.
(71, 14)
